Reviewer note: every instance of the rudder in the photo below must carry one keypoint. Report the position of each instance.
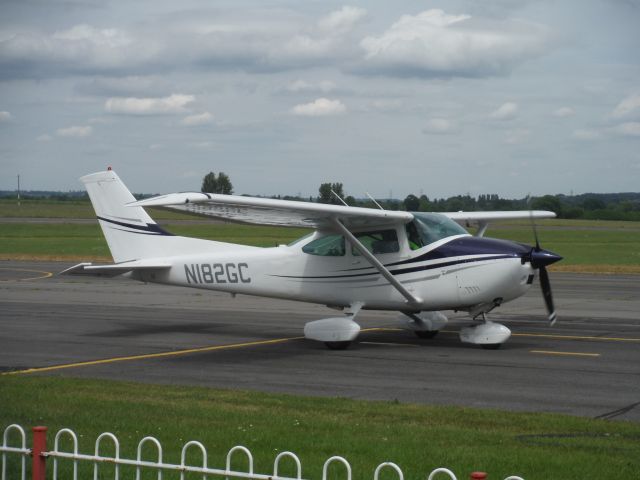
(126, 229)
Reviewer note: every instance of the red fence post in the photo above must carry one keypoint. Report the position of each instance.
(39, 465)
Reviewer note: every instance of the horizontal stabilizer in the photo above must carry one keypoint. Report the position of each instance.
(115, 269)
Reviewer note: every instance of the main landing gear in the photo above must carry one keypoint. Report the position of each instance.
(426, 334)
(337, 345)
(336, 333)
(424, 324)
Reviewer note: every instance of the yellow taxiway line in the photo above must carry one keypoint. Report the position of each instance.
(46, 274)
(174, 353)
(146, 356)
(213, 348)
(573, 354)
(567, 337)
(576, 337)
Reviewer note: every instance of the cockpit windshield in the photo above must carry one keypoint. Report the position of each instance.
(427, 228)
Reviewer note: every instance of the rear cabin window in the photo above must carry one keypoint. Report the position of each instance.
(327, 246)
(379, 241)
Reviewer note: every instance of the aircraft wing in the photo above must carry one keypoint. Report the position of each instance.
(267, 211)
(114, 269)
(498, 215)
(482, 219)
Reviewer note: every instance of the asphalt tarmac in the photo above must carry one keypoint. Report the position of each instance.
(587, 365)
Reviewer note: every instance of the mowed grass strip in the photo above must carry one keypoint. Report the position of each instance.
(601, 247)
(86, 242)
(418, 438)
(61, 209)
(581, 246)
(53, 240)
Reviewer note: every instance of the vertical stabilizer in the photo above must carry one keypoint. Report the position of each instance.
(129, 231)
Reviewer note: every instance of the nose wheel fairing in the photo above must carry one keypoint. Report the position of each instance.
(488, 334)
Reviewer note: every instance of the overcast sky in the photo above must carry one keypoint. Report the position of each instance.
(435, 97)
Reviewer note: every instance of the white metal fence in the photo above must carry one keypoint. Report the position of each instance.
(160, 466)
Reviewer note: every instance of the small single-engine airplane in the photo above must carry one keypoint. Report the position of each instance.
(417, 264)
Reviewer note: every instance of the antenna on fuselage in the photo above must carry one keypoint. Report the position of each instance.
(374, 201)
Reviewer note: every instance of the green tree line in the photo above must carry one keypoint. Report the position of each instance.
(589, 206)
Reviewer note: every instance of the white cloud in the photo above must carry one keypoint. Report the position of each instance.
(214, 38)
(342, 20)
(434, 43)
(5, 117)
(129, 86)
(324, 86)
(75, 131)
(110, 37)
(197, 119)
(201, 145)
(320, 107)
(627, 107)
(173, 104)
(385, 105)
(564, 112)
(303, 49)
(45, 137)
(80, 49)
(518, 136)
(586, 134)
(506, 111)
(628, 129)
(99, 121)
(327, 41)
(439, 126)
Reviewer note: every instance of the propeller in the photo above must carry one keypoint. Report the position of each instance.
(539, 259)
(548, 297)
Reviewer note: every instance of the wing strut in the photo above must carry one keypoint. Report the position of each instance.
(375, 262)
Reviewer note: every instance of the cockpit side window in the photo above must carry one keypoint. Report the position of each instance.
(414, 237)
(326, 246)
(377, 242)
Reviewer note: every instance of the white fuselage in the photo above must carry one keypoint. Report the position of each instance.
(457, 282)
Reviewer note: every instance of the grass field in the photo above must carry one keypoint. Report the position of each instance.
(66, 209)
(417, 438)
(68, 241)
(589, 247)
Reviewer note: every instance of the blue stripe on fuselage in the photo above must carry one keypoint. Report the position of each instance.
(148, 229)
(465, 246)
(460, 251)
